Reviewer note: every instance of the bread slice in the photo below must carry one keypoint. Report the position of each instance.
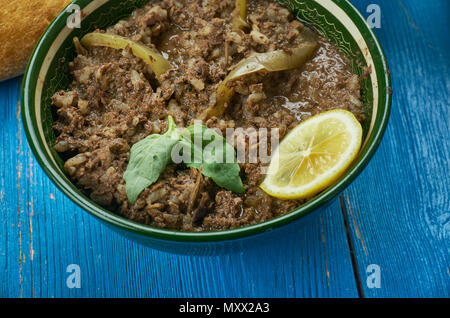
(22, 23)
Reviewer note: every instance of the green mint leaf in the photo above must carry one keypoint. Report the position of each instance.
(148, 159)
(210, 153)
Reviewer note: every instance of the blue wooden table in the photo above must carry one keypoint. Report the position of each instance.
(388, 235)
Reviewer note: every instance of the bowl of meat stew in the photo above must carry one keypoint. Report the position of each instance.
(100, 100)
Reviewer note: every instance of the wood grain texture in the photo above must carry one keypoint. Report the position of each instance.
(399, 208)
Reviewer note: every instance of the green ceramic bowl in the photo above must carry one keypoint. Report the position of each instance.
(48, 72)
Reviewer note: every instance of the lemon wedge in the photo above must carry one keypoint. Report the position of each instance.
(313, 155)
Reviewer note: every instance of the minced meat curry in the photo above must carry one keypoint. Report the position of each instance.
(118, 98)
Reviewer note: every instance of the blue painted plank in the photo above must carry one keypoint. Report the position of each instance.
(43, 232)
(11, 244)
(399, 208)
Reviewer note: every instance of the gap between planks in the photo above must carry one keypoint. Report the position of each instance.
(352, 250)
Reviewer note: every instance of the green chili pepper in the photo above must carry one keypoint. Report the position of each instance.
(263, 62)
(155, 60)
(239, 20)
